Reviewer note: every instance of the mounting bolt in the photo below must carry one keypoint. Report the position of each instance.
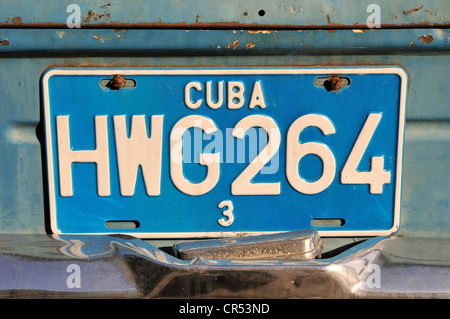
(333, 83)
(116, 83)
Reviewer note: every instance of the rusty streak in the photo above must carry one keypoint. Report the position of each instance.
(88, 24)
(414, 10)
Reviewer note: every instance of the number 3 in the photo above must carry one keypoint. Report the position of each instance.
(228, 213)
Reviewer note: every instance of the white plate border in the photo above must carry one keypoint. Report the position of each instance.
(229, 71)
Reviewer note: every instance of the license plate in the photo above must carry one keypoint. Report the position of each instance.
(214, 152)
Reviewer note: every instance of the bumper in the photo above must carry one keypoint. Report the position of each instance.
(41, 266)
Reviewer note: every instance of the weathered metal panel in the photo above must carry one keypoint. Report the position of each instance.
(197, 47)
(225, 14)
(425, 184)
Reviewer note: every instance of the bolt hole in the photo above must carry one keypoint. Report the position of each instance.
(108, 84)
(327, 222)
(261, 13)
(122, 224)
(326, 83)
(245, 13)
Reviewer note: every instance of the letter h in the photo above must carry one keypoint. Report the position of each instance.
(100, 156)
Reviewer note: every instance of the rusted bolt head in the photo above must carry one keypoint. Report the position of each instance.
(116, 83)
(333, 83)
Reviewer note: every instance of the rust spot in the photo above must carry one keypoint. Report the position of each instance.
(412, 11)
(17, 20)
(233, 45)
(249, 46)
(4, 42)
(333, 83)
(196, 18)
(431, 13)
(92, 16)
(411, 44)
(426, 39)
(328, 19)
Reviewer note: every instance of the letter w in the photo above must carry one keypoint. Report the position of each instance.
(137, 150)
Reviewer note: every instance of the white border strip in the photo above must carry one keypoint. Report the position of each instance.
(240, 71)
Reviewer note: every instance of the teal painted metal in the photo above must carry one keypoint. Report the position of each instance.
(30, 52)
(252, 48)
(225, 14)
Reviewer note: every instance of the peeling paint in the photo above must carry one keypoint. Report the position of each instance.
(92, 16)
(102, 39)
(249, 46)
(105, 5)
(260, 31)
(4, 42)
(98, 38)
(412, 11)
(292, 9)
(60, 34)
(426, 39)
(358, 31)
(17, 20)
(233, 45)
(431, 13)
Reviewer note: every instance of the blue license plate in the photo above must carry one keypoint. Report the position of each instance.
(213, 152)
